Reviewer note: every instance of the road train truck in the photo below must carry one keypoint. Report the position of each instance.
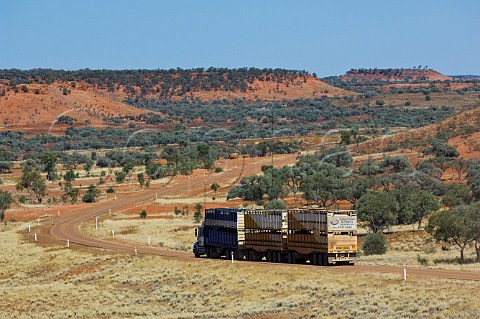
(319, 236)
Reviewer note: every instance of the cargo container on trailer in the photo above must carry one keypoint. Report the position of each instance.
(320, 236)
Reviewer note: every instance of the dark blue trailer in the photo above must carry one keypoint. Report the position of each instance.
(219, 233)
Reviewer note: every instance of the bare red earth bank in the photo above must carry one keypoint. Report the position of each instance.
(36, 112)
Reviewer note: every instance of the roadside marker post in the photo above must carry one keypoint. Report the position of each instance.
(96, 223)
(110, 211)
(36, 237)
(156, 195)
(232, 256)
(149, 241)
(38, 222)
(58, 213)
(113, 233)
(135, 251)
(68, 243)
(115, 197)
(405, 272)
(29, 228)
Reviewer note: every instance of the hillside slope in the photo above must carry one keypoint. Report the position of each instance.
(174, 84)
(461, 131)
(32, 100)
(40, 107)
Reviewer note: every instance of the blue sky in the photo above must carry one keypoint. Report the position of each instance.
(326, 37)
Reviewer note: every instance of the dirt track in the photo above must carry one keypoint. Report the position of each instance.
(67, 227)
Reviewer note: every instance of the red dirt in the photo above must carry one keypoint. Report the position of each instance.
(39, 112)
(273, 91)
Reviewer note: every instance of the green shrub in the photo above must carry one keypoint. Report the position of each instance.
(375, 244)
(143, 214)
(422, 261)
(22, 199)
(110, 190)
(177, 211)
(276, 204)
(260, 202)
(218, 169)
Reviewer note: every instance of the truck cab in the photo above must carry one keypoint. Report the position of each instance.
(199, 248)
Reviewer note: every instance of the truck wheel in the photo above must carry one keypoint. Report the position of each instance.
(248, 255)
(325, 260)
(270, 256)
(274, 256)
(320, 259)
(228, 254)
(291, 257)
(197, 255)
(279, 257)
(209, 252)
(314, 259)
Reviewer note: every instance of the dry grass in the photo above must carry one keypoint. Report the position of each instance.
(174, 233)
(407, 246)
(57, 282)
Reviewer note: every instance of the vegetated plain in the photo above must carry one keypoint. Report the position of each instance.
(105, 133)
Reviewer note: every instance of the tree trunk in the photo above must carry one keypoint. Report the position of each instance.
(477, 250)
(462, 259)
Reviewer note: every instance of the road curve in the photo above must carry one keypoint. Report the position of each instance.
(66, 228)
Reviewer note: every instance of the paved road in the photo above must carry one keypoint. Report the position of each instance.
(67, 226)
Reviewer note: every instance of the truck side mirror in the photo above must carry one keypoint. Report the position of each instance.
(196, 232)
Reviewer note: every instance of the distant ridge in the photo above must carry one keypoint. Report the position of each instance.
(176, 84)
(466, 77)
(394, 75)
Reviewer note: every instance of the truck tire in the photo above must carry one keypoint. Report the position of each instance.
(279, 257)
(270, 256)
(197, 255)
(314, 259)
(291, 257)
(209, 252)
(248, 255)
(320, 259)
(325, 260)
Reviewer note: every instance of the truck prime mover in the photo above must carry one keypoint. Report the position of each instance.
(323, 237)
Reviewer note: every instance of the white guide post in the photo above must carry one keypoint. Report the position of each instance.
(110, 211)
(29, 228)
(113, 233)
(38, 222)
(405, 272)
(135, 251)
(96, 223)
(156, 195)
(68, 243)
(36, 238)
(58, 213)
(232, 256)
(149, 241)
